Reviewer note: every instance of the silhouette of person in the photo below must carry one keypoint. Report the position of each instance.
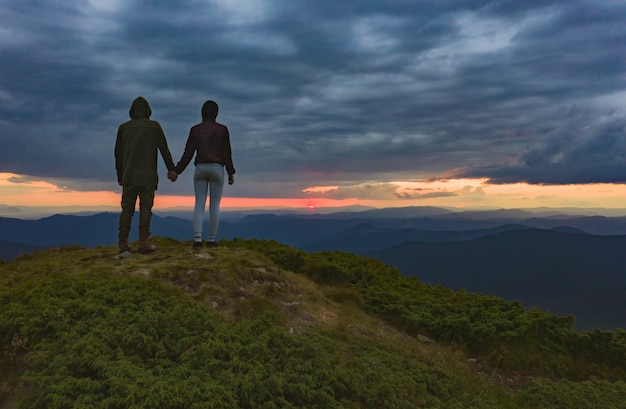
(136, 163)
(210, 141)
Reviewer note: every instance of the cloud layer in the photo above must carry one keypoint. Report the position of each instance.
(322, 93)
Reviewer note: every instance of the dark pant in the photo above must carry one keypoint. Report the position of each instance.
(129, 201)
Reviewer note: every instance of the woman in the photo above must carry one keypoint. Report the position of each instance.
(211, 141)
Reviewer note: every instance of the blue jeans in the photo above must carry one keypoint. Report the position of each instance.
(208, 178)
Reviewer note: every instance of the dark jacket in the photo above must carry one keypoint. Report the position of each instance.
(136, 147)
(212, 143)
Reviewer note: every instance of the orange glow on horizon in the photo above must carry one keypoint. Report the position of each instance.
(16, 190)
(41, 193)
(263, 203)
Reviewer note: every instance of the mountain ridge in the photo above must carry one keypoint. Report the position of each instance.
(584, 295)
(235, 327)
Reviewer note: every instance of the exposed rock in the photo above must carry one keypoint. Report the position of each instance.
(126, 254)
(306, 316)
(142, 272)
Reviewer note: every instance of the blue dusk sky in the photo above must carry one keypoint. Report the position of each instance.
(346, 100)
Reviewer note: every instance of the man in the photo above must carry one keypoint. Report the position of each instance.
(136, 163)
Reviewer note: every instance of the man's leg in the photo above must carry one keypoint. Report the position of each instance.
(146, 201)
(129, 200)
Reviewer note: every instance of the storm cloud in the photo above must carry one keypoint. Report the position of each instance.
(322, 93)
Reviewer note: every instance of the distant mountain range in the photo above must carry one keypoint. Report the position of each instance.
(9, 250)
(561, 272)
(564, 263)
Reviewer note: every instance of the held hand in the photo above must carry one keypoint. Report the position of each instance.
(231, 179)
(171, 175)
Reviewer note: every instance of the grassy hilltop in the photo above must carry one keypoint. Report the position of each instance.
(257, 324)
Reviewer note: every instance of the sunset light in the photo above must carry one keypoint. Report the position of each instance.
(428, 196)
(463, 118)
(455, 193)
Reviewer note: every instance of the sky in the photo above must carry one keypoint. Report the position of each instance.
(390, 103)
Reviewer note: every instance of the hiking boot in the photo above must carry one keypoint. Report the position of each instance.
(197, 245)
(122, 242)
(146, 248)
(211, 244)
(144, 245)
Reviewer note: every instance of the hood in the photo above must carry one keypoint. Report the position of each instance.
(140, 108)
(209, 111)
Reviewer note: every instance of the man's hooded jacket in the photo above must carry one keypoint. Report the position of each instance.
(136, 147)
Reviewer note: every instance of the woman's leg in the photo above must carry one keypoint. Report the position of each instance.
(200, 187)
(216, 183)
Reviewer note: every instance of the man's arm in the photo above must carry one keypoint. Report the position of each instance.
(165, 152)
(119, 156)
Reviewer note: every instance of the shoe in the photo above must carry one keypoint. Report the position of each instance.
(125, 248)
(146, 248)
(197, 245)
(144, 244)
(211, 244)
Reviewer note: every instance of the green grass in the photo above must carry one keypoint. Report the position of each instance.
(256, 324)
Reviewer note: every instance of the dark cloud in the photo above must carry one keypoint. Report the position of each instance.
(322, 93)
(584, 149)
